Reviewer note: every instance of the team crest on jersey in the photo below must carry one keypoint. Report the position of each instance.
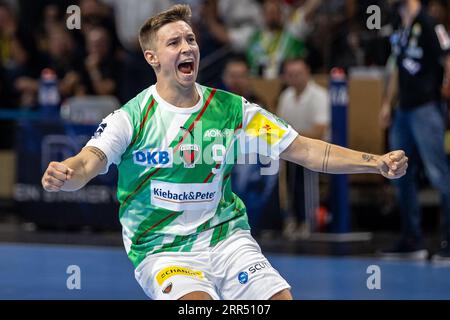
(190, 154)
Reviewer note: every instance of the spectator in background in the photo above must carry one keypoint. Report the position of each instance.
(306, 106)
(274, 43)
(19, 58)
(51, 18)
(223, 27)
(95, 13)
(5, 90)
(233, 22)
(304, 103)
(61, 56)
(333, 34)
(100, 66)
(236, 78)
(129, 16)
(12, 58)
(419, 48)
(438, 9)
(6, 101)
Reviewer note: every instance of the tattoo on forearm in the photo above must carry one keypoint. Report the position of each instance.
(326, 156)
(367, 157)
(99, 153)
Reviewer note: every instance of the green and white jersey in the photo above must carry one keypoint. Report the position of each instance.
(175, 163)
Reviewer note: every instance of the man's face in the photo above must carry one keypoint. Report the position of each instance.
(296, 74)
(176, 55)
(273, 15)
(98, 42)
(236, 77)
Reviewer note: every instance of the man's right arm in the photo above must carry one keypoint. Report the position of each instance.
(75, 172)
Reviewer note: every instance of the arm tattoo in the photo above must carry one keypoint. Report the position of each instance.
(326, 156)
(99, 153)
(367, 157)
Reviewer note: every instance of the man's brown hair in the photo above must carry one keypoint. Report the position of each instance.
(152, 25)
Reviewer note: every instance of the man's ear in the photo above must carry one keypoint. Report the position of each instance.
(151, 58)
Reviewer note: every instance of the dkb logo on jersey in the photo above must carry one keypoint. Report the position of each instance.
(190, 153)
(157, 158)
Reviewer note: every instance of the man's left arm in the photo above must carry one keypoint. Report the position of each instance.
(324, 157)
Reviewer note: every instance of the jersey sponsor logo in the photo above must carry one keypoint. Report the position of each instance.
(171, 271)
(262, 126)
(100, 130)
(190, 154)
(216, 133)
(184, 196)
(157, 158)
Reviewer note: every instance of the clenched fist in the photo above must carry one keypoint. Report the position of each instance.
(393, 165)
(56, 176)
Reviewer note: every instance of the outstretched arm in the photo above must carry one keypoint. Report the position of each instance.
(74, 172)
(324, 157)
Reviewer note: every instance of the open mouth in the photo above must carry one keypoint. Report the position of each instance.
(186, 67)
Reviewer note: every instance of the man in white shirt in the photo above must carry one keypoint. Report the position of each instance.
(305, 105)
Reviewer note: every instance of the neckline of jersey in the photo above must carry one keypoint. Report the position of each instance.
(163, 103)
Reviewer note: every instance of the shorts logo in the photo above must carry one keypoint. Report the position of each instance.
(168, 288)
(157, 158)
(243, 277)
(171, 271)
(259, 266)
(190, 153)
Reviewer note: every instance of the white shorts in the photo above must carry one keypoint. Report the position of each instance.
(234, 269)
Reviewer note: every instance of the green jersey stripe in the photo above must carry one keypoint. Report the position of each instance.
(154, 226)
(211, 173)
(211, 96)
(149, 107)
(139, 186)
(219, 233)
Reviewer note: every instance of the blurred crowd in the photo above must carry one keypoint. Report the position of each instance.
(103, 56)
